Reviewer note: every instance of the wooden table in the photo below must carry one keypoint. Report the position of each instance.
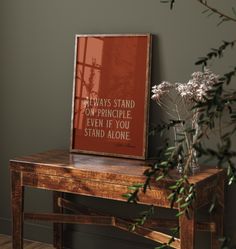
(108, 178)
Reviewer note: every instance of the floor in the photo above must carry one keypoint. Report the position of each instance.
(5, 243)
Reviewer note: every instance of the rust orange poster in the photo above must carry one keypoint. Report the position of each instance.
(110, 98)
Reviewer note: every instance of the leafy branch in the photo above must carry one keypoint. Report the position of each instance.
(182, 193)
(226, 243)
(171, 2)
(144, 216)
(223, 17)
(174, 233)
(211, 111)
(215, 53)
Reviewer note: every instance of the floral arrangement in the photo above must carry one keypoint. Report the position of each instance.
(178, 101)
(195, 110)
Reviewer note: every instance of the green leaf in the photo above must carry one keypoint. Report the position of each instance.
(191, 188)
(184, 205)
(138, 185)
(231, 180)
(127, 195)
(211, 207)
(173, 187)
(181, 190)
(171, 148)
(189, 197)
(202, 61)
(171, 196)
(179, 213)
(164, 163)
(179, 199)
(159, 177)
(132, 188)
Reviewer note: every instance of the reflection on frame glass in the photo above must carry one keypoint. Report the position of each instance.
(110, 96)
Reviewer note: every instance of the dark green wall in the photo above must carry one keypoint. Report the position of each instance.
(36, 71)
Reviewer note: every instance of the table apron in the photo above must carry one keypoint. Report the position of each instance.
(156, 197)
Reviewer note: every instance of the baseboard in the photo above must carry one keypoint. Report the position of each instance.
(81, 236)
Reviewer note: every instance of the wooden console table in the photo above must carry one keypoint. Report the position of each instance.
(108, 178)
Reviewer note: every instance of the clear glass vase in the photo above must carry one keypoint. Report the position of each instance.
(194, 165)
(191, 167)
(187, 160)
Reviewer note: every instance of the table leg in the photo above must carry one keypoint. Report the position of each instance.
(187, 231)
(217, 216)
(57, 227)
(17, 200)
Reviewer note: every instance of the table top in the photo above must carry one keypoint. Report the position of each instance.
(106, 177)
(64, 163)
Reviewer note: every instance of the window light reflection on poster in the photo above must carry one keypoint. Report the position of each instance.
(110, 97)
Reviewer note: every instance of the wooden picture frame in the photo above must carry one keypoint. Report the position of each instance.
(111, 95)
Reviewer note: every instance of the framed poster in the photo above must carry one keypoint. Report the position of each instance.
(111, 95)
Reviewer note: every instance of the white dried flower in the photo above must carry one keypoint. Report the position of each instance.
(160, 90)
(197, 88)
(206, 81)
(184, 90)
